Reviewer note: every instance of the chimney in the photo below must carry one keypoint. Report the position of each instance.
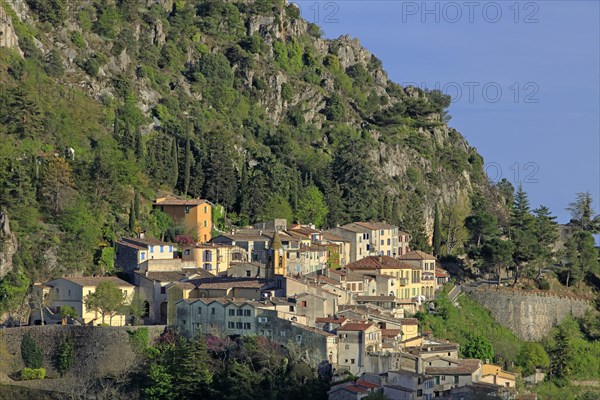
(146, 273)
(380, 258)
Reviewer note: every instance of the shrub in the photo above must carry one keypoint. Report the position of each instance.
(138, 339)
(32, 354)
(65, 356)
(543, 284)
(287, 93)
(28, 374)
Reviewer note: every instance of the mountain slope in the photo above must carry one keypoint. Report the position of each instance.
(242, 103)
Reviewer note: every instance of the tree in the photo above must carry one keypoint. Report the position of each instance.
(496, 254)
(522, 233)
(437, 234)
(65, 356)
(582, 213)
(478, 347)
(311, 207)
(57, 181)
(191, 370)
(67, 312)
(160, 223)
(561, 356)
(531, 356)
(108, 299)
(546, 233)
(581, 257)
(187, 165)
(136, 308)
(32, 354)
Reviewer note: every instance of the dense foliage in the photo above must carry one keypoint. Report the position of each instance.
(183, 101)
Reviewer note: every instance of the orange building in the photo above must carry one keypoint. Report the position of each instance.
(195, 215)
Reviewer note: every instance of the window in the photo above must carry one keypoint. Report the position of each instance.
(151, 249)
(247, 313)
(231, 325)
(299, 338)
(238, 325)
(212, 311)
(282, 333)
(162, 249)
(183, 321)
(205, 209)
(142, 255)
(262, 320)
(347, 347)
(232, 312)
(247, 326)
(205, 224)
(419, 392)
(239, 312)
(383, 242)
(456, 379)
(303, 304)
(163, 290)
(381, 232)
(247, 273)
(187, 209)
(124, 292)
(199, 311)
(388, 253)
(69, 294)
(389, 242)
(443, 377)
(170, 248)
(187, 252)
(352, 361)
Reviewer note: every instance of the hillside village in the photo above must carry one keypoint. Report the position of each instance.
(345, 297)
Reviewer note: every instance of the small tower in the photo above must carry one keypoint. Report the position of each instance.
(278, 256)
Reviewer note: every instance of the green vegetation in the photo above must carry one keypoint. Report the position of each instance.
(32, 354)
(224, 130)
(28, 374)
(213, 368)
(108, 300)
(65, 356)
(138, 339)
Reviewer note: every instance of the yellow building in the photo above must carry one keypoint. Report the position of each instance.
(195, 215)
(408, 277)
(494, 374)
(73, 291)
(213, 257)
(427, 264)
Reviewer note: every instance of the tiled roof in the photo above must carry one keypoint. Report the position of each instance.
(255, 235)
(96, 280)
(331, 320)
(440, 273)
(354, 389)
(333, 237)
(133, 246)
(352, 326)
(173, 276)
(375, 298)
(183, 285)
(374, 226)
(179, 202)
(352, 227)
(147, 241)
(380, 262)
(465, 367)
(367, 384)
(416, 255)
(409, 321)
(390, 333)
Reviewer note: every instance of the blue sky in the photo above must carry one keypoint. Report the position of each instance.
(528, 75)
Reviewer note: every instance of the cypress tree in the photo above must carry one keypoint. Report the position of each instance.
(188, 166)
(174, 160)
(132, 217)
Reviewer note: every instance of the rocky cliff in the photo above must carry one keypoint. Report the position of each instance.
(8, 245)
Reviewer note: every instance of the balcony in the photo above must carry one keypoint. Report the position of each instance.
(402, 281)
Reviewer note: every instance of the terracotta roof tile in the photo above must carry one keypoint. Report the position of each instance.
(416, 255)
(179, 202)
(465, 367)
(352, 326)
(380, 262)
(96, 280)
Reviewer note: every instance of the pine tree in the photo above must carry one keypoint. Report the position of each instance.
(561, 357)
(437, 234)
(191, 369)
(522, 233)
(546, 234)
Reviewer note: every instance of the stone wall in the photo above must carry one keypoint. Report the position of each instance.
(530, 315)
(99, 351)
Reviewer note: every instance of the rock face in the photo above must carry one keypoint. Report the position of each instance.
(530, 316)
(8, 245)
(8, 37)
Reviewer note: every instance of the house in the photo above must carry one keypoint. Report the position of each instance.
(407, 385)
(213, 257)
(454, 373)
(236, 317)
(343, 244)
(353, 390)
(277, 224)
(195, 215)
(312, 306)
(306, 259)
(133, 253)
(425, 347)
(355, 340)
(495, 375)
(349, 280)
(408, 283)
(441, 277)
(384, 238)
(403, 243)
(73, 291)
(152, 288)
(255, 242)
(427, 264)
(246, 270)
